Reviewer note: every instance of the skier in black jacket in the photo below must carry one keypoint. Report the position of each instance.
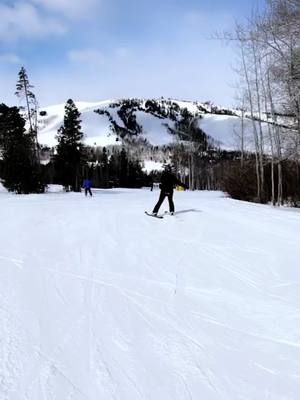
(168, 182)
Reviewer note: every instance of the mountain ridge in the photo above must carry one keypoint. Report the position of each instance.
(153, 116)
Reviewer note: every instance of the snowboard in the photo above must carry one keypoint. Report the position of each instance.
(154, 216)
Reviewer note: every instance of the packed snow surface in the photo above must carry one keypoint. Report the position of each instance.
(99, 301)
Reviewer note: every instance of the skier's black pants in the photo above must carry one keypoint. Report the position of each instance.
(162, 196)
(88, 190)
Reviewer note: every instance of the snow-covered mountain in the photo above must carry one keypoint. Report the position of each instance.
(153, 118)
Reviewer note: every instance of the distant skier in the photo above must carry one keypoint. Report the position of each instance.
(87, 184)
(151, 184)
(168, 182)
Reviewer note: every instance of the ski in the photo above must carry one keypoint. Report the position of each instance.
(154, 216)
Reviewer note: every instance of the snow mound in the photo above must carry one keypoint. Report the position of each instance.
(2, 188)
(55, 189)
(152, 166)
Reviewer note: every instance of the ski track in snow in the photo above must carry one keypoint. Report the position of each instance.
(98, 301)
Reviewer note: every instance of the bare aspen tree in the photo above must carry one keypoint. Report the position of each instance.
(242, 131)
(246, 71)
(266, 97)
(269, 45)
(256, 57)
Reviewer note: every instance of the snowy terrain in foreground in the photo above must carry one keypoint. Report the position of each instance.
(99, 301)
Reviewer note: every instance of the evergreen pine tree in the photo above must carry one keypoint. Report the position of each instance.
(123, 168)
(70, 150)
(24, 92)
(105, 167)
(19, 172)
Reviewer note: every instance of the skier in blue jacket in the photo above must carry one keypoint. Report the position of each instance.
(87, 184)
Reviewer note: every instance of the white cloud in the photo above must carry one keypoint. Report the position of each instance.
(89, 57)
(73, 9)
(22, 20)
(10, 58)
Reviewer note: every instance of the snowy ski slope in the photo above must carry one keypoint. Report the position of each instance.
(98, 301)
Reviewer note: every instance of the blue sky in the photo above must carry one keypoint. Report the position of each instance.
(93, 50)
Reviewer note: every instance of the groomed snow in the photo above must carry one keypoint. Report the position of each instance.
(99, 301)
